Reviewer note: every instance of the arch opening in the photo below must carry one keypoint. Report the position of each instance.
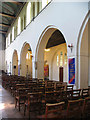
(52, 56)
(26, 61)
(15, 63)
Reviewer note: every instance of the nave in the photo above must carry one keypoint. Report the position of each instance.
(39, 99)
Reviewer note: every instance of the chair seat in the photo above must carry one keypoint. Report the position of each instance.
(56, 115)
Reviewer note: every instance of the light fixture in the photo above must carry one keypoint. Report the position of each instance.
(29, 49)
(70, 46)
(28, 55)
(47, 50)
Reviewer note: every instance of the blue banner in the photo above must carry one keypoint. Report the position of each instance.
(72, 71)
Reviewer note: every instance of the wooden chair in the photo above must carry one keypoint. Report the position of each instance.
(69, 94)
(85, 93)
(86, 108)
(89, 90)
(58, 95)
(76, 94)
(69, 87)
(49, 97)
(34, 103)
(47, 89)
(74, 109)
(54, 110)
(21, 96)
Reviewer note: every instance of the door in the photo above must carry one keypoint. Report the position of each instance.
(61, 74)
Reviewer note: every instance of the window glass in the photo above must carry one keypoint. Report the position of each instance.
(28, 13)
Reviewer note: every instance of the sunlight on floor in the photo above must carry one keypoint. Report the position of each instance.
(2, 106)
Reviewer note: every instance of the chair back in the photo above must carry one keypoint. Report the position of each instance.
(85, 93)
(74, 108)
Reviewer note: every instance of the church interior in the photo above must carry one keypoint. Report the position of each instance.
(44, 60)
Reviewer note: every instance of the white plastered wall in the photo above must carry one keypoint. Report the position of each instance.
(83, 56)
(66, 17)
(51, 58)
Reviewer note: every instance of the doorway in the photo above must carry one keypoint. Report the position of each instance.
(61, 74)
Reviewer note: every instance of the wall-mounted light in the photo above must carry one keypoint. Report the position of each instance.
(70, 46)
(30, 51)
(47, 50)
(28, 55)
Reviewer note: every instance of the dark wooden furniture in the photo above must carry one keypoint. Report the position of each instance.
(86, 108)
(21, 97)
(34, 103)
(54, 110)
(74, 109)
(85, 93)
(76, 94)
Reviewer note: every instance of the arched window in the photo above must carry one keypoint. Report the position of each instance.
(19, 27)
(12, 33)
(28, 13)
(44, 3)
(61, 59)
(65, 59)
(22, 26)
(24, 20)
(28, 55)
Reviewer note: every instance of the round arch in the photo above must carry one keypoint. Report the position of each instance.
(15, 63)
(83, 57)
(26, 60)
(39, 56)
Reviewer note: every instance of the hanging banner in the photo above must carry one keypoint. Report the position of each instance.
(46, 70)
(71, 71)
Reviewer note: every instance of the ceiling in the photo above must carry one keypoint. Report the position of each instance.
(8, 13)
(55, 39)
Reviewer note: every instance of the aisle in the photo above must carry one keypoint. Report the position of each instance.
(7, 106)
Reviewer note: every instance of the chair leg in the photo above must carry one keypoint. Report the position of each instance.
(29, 115)
(46, 113)
(15, 103)
(19, 105)
(24, 109)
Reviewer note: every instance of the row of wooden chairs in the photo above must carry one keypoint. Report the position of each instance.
(76, 109)
(11, 81)
(49, 97)
(27, 93)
